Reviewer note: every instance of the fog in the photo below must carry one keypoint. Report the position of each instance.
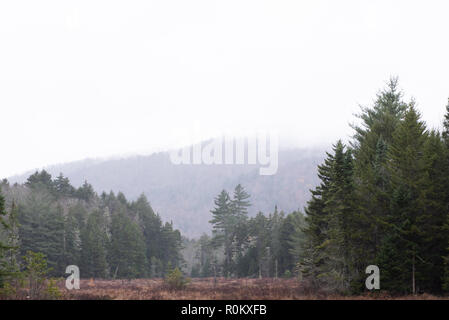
(85, 79)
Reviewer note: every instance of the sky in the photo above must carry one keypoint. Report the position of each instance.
(88, 79)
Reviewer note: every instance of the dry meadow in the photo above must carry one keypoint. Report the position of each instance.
(208, 289)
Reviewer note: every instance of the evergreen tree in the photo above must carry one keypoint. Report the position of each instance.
(371, 143)
(223, 222)
(239, 208)
(171, 245)
(94, 242)
(72, 239)
(151, 226)
(127, 248)
(436, 200)
(292, 241)
(401, 254)
(62, 186)
(205, 256)
(40, 180)
(312, 259)
(54, 240)
(85, 192)
(34, 215)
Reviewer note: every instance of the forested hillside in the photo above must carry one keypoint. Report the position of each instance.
(184, 193)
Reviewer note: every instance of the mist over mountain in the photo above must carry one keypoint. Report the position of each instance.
(184, 194)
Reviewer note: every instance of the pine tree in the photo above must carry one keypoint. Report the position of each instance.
(85, 192)
(222, 223)
(239, 208)
(260, 236)
(293, 239)
(401, 254)
(205, 256)
(54, 240)
(436, 197)
(312, 259)
(33, 216)
(171, 245)
(151, 226)
(72, 239)
(340, 209)
(62, 186)
(370, 145)
(94, 242)
(40, 180)
(127, 248)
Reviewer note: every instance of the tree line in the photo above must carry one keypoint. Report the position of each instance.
(106, 235)
(242, 246)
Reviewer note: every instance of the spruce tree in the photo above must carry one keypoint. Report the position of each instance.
(94, 243)
(151, 226)
(239, 207)
(223, 222)
(127, 248)
(312, 259)
(401, 253)
(370, 145)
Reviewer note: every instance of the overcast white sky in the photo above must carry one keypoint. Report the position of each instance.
(99, 78)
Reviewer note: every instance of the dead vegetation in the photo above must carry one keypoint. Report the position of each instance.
(207, 289)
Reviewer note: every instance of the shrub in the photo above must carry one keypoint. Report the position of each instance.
(32, 283)
(175, 280)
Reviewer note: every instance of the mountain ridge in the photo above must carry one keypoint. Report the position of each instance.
(184, 193)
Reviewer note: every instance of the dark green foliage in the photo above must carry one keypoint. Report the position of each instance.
(171, 245)
(175, 280)
(383, 202)
(127, 248)
(85, 192)
(4, 247)
(94, 243)
(40, 180)
(262, 246)
(36, 271)
(230, 228)
(223, 221)
(105, 237)
(62, 186)
(327, 258)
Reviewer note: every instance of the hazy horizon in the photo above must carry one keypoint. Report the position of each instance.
(104, 79)
(283, 146)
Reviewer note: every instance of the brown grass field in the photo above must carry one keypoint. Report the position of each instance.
(205, 289)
